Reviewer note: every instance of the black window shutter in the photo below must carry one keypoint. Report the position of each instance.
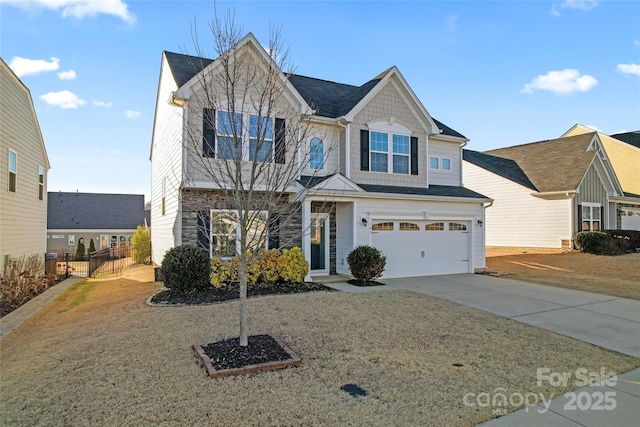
(280, 146)
(579, 218)
(208, 132)
(414, 155)
(204, 230)
(274, 231)
(364, 150)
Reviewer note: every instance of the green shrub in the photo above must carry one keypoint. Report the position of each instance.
(185, 268)
(366, 263)
(600, 243)
(80, 249)
(253, 268)
(92, 246)
(141, 245)
(627, 240)
(220, 272)
(269, 265)
(293, 266)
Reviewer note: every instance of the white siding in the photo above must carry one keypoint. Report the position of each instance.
(166, 163)
(517, 218)
(449, 151)
(23, 217)
(344, 235)
(384, 208)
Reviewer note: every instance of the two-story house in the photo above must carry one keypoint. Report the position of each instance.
(23, 181)
(393, 181)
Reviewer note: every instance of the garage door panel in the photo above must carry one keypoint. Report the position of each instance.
(418, 253)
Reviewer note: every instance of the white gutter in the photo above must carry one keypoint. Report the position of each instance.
(347, 146)
(373, 195)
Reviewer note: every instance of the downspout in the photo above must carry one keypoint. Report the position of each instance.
(347, 147)
(461, 166)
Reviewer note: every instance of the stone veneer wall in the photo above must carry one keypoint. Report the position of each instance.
(204, 200)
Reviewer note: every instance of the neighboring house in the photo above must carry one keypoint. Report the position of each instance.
(109, 219)
(23, 181)
(545, 192)
(623, 150)
(393, 182)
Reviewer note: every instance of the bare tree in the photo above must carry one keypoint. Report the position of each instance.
(247, 149)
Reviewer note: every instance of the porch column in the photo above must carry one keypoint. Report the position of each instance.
(306, 236)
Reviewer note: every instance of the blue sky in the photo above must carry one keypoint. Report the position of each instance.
(500, 72)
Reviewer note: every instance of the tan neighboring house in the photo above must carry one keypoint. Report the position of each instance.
(623, 150)
(545, 192)
(23, 180)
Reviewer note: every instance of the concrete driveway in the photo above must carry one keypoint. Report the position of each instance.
(603, 320)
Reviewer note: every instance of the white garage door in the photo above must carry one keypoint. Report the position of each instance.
(423, 248)
(630, 219)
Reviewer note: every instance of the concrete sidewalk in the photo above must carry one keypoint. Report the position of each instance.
(14, 319)
(603, 320)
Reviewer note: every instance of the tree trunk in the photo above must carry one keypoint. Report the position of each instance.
(242, 273)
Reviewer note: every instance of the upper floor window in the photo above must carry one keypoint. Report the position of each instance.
(388, 148)
(591, 216)
(260, 138)
(439, 163)
(40, 183)
(316, 154)
(229, 133)
(13, 171)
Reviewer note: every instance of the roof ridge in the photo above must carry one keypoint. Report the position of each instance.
(540, 142)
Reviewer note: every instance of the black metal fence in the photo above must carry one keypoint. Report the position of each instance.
(93, 264)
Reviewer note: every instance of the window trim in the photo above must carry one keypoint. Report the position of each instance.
(591, 220)
(41, 174)
(14, 172)
(313, 154)
(262, 137)
(440, 161)
(212, 213)
(434, 226)
(383, 226)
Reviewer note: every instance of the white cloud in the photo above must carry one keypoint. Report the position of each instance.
(24, 66)
(629, 69)
(63, 99)
(580, 4)
(102, 104)
(596, 128)
(636, 42)
(67, 75)
(132, 114)
(79, 8)
(561, 82)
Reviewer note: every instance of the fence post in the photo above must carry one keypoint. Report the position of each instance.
(89, 272)
(66, 265)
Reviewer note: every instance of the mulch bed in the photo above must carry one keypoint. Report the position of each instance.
(232, 292)
(365, 283)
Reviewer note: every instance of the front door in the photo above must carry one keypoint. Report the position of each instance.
(320, 244)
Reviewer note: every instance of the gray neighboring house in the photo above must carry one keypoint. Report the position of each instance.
(109, 219)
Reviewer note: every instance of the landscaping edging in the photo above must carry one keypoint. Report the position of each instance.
(267, 366)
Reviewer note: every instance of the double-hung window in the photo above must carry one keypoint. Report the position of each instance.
(225, 232)
(591, 216)
(13, 171)
(379, 143)
(388, 147)
(400, 154)
(229, 135)
(260, 139)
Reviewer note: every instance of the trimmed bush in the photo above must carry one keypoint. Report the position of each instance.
(293, 266)
(80, 250)
(253, 268)
(141, 245)
(269, 265)
(608, 242)
(220, 272)
(366, 263)
(185, 268)
(92, 246)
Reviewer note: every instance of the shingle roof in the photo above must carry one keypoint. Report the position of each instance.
(632, 138)
(329, 99)
(506, 168)
(94, 211)
(553, 165)
(184, 67)
(433, 190)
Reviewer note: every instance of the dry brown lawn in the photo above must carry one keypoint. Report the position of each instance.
(610, 275)
(99, 355)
